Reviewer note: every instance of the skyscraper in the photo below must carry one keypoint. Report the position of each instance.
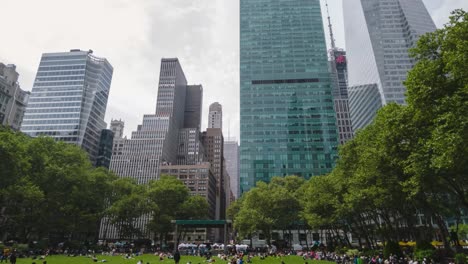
(215, 116)
(156, 139)
(378, 36)
(69, 99)
(288, 124)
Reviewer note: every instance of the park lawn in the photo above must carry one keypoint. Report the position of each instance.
(155, 260)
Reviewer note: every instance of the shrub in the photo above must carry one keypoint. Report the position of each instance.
(460, 258)
(352, 252)
(392, 248)
(341, 250)
(22, 247)
(370, 252)
(424, 254)
(423, 245)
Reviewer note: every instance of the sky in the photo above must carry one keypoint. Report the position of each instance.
(135, 34)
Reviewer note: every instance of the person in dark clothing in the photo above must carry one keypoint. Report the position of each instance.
(177, 257)
(13, 258)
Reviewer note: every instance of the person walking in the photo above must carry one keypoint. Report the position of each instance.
(177, 257)
(13, 258)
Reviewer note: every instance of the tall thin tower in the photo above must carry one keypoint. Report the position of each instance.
(339, 72)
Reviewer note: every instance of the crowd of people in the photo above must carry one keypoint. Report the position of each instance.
(224, 257)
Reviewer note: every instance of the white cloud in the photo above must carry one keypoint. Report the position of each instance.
(135, 34)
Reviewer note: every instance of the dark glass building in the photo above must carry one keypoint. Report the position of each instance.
(105, 148)
(288, 124)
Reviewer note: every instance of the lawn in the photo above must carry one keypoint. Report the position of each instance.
(154, 259)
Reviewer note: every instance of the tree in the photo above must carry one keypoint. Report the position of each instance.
(128, 204)
(168, 197)
(437, 95)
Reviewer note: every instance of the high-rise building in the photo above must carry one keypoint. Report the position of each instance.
(69, 99)
(13, 99)
(378, 35)
(288, 124)
(156, 139)
(231, 154)
(215, 116)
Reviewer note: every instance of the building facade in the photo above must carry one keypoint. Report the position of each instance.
(199, 179)
(213, 143)
(364, 102)
(231, 155)
(193, 106)
(379, 34)
(287, 117)
(215, 116)
(13, 99)
(69, 99)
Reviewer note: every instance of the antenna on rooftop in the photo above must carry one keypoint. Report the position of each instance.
(333, 46)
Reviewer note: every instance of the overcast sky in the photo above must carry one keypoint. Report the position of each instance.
(135, 34)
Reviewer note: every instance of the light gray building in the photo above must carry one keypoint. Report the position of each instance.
(155, 140)
(215, 116)
(13, 99)
(378, 35)
(69, 99)
(231, 155)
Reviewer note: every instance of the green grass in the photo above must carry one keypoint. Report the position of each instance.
(155, 260)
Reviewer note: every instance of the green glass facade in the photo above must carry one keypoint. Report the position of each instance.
(288, 124)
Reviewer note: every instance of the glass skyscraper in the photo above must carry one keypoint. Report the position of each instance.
(69, 99)
(288, 124)
(378, 36)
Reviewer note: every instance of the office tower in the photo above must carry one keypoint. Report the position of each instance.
(339, 71)
(69, 99)
(156, 139)
(13, 99)
(288, 124)
(193, 106)
(215, 116)
(378, 35)
(231, 154)
(105, 148)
